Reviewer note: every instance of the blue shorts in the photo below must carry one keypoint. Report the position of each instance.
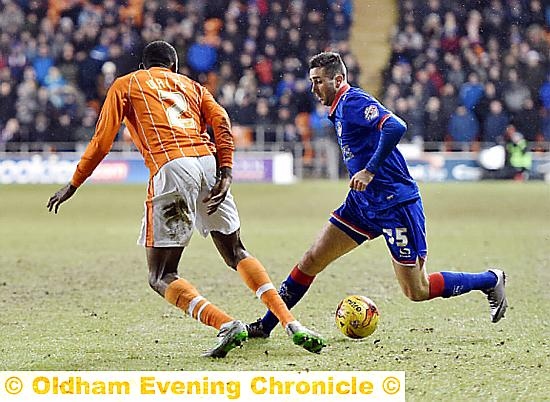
(403, 226)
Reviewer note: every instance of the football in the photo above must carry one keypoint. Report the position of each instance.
(357, 316)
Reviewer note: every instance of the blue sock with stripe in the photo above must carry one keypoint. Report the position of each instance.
(448, 284)
(293, 288)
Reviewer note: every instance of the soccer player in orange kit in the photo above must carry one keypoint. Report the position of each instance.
(167, 115)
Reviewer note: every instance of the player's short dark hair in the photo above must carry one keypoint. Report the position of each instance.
(159, 54)
(330, 61)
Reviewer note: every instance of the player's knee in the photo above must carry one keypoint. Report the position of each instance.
(231, 248)
(235, 256)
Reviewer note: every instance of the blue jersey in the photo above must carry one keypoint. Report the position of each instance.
(358, 119)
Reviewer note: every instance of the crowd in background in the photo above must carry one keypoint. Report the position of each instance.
(459, 70)
(462, 71)
(58, 59)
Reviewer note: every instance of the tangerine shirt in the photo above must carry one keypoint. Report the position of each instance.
(166, 114)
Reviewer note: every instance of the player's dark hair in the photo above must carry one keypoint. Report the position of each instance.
(159, 54)
(330, 61)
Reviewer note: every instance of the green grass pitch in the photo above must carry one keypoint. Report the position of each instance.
(74, 292)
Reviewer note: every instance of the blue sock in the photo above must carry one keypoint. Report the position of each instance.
(293, 288)
(458, 283)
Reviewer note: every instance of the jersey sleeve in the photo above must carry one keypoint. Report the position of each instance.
(391, 132)
(364, 113)
(110, 118)
(217, 118)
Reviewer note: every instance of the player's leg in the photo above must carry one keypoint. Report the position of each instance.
(163, 279)
(406, 239)
(167, 228)
(417, 285)
(252, 272)
(223, 226)
(331, 243)
(255, 276)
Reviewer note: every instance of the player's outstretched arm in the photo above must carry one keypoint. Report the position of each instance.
(60, 197)
(216, 196)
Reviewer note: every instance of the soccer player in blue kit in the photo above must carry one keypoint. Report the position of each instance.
(383, 200)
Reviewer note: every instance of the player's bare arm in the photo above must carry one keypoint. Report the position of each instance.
(219, 191)
(60, 197)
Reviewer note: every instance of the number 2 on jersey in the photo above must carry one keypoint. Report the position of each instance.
(175, 110)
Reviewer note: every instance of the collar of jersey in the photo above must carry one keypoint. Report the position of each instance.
(339, 94)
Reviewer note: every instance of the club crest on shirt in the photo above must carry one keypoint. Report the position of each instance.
(339, 128)
(371, 113)
(346, 153)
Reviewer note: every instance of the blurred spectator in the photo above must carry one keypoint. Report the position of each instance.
(435, 121)
(528, 121)
(471, 92)
(44, 103)
(42, 63)
(265, 121)
(55, 83)
(463, 127)
(339, 28)
(454, 73)
(533, 71)
(11, 18)
(301, 98)
(17, 60)
(67, 64)
(10, 132)
(495, 123)
(482, 109)
(7, 102)
(201, 57)
(63, 130)
(106, 79)
(41, 131)
(246, 111)
(85, 131)
(449, 101)
(414, 117)
(515, 92)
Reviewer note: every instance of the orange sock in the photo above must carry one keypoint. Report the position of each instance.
(182, 294)
(255, 276)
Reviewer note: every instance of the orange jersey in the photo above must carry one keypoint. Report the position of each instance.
(166, 114)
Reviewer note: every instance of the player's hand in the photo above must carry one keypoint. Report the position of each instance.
(216, 196)
(361, 180)
(60, 197)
